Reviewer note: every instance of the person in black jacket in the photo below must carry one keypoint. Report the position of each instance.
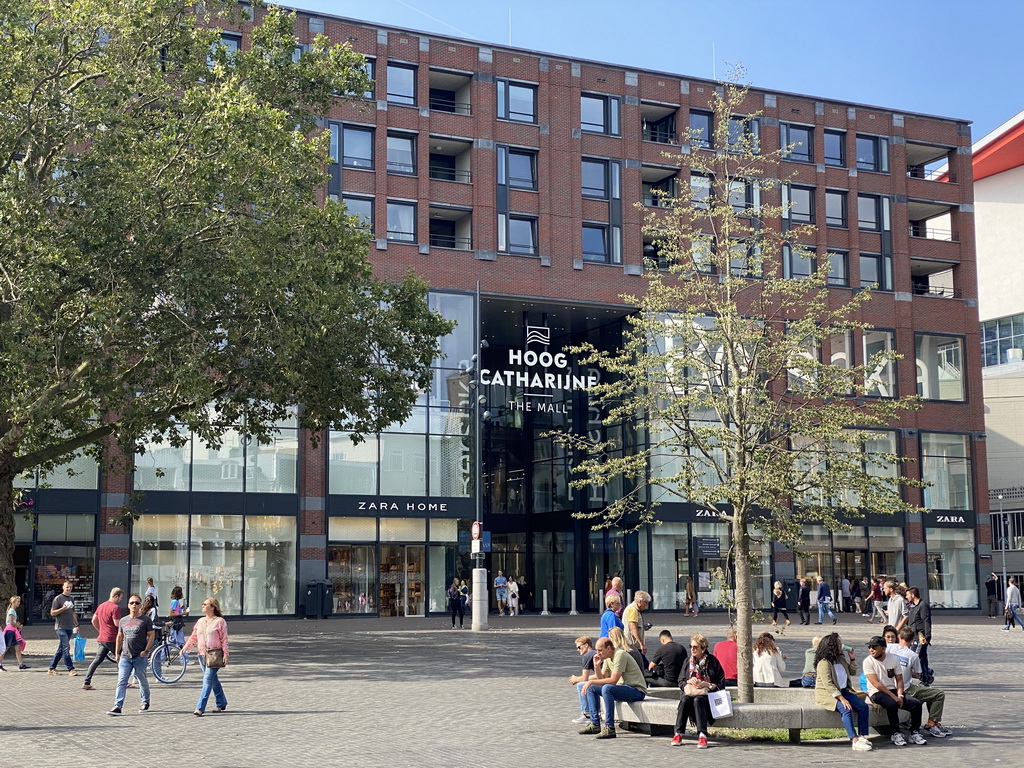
(803, 601)
(919, 619)
(703, 674)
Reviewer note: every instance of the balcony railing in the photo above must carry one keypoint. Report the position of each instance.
(444, 173)
(407, 169)
(447, 105)
(920, 172)
(923, 232)
(941, 291)
(660, 135)
(451, 241)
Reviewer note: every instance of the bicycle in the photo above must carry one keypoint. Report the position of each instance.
(169, 663)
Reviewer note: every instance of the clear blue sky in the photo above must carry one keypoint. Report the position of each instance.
(943, 57)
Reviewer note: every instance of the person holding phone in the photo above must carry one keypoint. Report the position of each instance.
(835, 672)
(884, 674)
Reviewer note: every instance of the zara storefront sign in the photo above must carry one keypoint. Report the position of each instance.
(538, 372)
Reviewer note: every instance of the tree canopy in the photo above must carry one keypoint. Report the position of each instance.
(165, 258)
(738, 365)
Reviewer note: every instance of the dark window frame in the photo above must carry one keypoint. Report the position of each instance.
(611, 116)
(804, 153)
(876, 201)
(402, 236)
(605, 256)
(807, 265)
(704, 138)
(516, 182)
(883, 267)
(353, 161)
(832, 160)
(836, 279)
(504, 99)
(505, 244)
(393, 166)
(394, 97)
(347, 198)
(843, 221)
(799, 217)
(878, 162)
(596, 193)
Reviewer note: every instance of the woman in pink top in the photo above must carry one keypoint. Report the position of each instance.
(211, 631)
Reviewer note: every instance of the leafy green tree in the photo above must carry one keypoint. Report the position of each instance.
(737, 363)
(163, 246)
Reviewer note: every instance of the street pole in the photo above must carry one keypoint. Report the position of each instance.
(1002, 542)
(481, 597)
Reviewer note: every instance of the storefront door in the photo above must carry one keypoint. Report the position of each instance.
(402, 580)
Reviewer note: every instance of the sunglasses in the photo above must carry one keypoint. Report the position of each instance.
(134, 602)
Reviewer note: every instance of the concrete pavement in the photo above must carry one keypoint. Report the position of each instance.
(412, 692)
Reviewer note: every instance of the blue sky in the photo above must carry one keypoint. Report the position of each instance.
(941, 57)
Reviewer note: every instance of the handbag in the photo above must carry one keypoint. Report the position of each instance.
(215, 658)
(721, 704)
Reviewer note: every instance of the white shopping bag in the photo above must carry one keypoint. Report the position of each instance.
(721, 704)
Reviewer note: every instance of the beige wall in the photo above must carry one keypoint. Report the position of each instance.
(999, 226)
(1004, 425)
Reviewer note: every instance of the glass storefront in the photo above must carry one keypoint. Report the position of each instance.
(952, 568)
(875, 550)
(946, 467)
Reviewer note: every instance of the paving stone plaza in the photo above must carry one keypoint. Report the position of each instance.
(412, 692)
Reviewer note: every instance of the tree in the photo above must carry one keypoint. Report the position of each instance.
(164, 260)
(722, 362)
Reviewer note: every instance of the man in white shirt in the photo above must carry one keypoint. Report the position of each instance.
(1013, 603)
(884, 674)
(899, 645)
(897, 608)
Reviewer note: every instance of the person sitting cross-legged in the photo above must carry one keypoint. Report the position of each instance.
(620, 679)
(900, 644)
(701, 676)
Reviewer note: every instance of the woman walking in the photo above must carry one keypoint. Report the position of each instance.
(803, 601)
(779, 599)
(210, 635)
(769, 663)
(12, 632)
(833, 689)
(513, 597)
(455, 602)
(177, 616)
(691, 598)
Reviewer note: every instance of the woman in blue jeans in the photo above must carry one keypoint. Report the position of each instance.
(1013, 603)
(210, 634)
(833, 689)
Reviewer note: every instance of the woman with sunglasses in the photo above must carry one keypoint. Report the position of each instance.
(702, 675)
(210, 634)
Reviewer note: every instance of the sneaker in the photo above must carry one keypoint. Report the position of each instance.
(898, 740)
(73, 672)
(606, 733)
(862, 745)
(581, 719)
(677, 741)
(917, 738)
(114, 711)
(52, 672)
(1006, 629)
(87, 687)
(935, 730)
(144, 708)
(702, 742)
(834, 622)
(590, 730)
(23, 666)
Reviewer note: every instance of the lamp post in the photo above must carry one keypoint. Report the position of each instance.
(481, 597)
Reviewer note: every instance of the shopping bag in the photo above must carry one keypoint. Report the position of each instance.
(721, 704)
(79, 648)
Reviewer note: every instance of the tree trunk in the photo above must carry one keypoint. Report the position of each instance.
(744, 608)
(7, 512)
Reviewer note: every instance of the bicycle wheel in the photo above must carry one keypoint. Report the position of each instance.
(168, 663)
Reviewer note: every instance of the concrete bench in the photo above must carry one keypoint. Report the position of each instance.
(792, 709)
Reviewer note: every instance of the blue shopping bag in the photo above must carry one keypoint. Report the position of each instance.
(79, 648)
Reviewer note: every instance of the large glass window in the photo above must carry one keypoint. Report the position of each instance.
(887, 548)
(881, 379)
(269, 565)
(517, 101)
(215, 560)
(160, 545)
(595, 178)
(595, 242)
(352, 569)
(801, 137)
(401, 84)
(701, 134)
(352, 467)
(401, 154)
(55, 563)
(361, 207)
(952, 568)
(522, 169)
(940, 367)
(517, 234)
(869, 215)
(876, 271)
(402, 222)
(946, 467)
(801, 204)
(1002, 340)
(80, 472)
(553, 565)
(835, 148)
(873, 154)
(599, 114)
(835, 208)
(352, 146)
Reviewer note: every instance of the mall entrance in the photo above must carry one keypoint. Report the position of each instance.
(402, 580)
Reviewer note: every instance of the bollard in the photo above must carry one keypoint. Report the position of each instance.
(545, 612)
(629, 596)
(600, 601)
(573, 612)
(480, 600)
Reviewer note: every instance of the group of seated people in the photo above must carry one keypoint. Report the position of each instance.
(612, 671)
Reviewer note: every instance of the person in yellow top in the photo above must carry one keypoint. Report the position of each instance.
(834, 689)
(620, 679)
(633, 622)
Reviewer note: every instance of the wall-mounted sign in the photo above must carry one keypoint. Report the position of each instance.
(707, 546)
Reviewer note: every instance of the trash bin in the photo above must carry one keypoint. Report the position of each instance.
(792, 589)
(327, 598)
(318, 602)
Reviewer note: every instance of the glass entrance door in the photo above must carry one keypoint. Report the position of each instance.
(402, 580)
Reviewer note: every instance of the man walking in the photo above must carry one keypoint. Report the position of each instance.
(105, 620)
(500, 591)
(135, 637)
(919, 619)
(877, 597)
(1012, 603)
(620, 679)
(824, 600)
(633, 621)
(896, 610)
(65, 622)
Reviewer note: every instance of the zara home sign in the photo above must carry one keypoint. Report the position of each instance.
(539, 372)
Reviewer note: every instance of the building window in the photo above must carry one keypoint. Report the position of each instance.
(872, 153)
(517, 234)
(798, 263)
(402, 222)
(662, 131)
(700, 191)
(519, 169)
(835, 148)
(600, 244)
(351, 146)
(517, 101)
(881, 376)
(946, 467)
(401, 84)
(838, 268)
(599, 114)
(361, 207)
(660, 193)
(744, 260)
(952, 568)
(402, 154)
(801, 204)
(595, 178)
(743, 134)
(876, 271)
(742, 196)
(940, 367)
(370, 67)
(801, 137)
(1007, 530)
(1002, 340)
(835, 209)
(869, 213)
(701, 134)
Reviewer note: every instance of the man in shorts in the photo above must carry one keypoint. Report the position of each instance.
(501, 591)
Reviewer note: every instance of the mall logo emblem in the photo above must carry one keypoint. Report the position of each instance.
(538, 334)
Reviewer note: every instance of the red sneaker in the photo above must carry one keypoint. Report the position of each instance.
(702, 742)
(677, 741)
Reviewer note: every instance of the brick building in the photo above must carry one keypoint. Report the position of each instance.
(507, 179)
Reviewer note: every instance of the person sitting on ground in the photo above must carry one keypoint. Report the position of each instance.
(667, 662)
(833, 689)
(703, 675)
(901, 645)
(618, 639)
(809, 678)
(585, 648)
(620, 679)
(884, 674)
(610, 619)
(726, 652)
(769, 662)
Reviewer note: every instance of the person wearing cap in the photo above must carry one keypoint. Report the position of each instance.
(884, 674)
(900, 644)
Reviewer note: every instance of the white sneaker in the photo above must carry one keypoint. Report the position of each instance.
(917, 738)
(862, 745)
(581, 719)
(935, 731)
(898, 740)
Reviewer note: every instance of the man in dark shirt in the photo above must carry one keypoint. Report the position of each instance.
(992, 593)
(667, 662)
(65, 622)
(135, 637)
(585, 648)
(105, 620)
(919, 619)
